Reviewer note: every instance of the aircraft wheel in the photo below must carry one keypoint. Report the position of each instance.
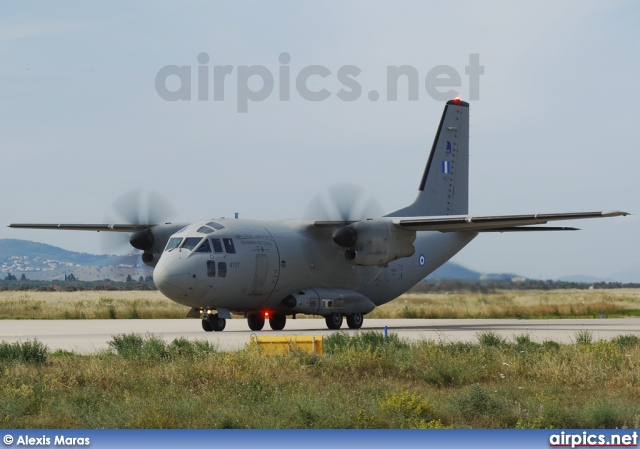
(277, 321)
(255, 321)
(214, 323)
(334, 321)
(354, 320)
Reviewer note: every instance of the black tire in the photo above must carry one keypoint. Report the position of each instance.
(334, 321)
(207, 326)
(255, 321)
(214, 323)
(277, 321)
(218, 323)
(355, 320)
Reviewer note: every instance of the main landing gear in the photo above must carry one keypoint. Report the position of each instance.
(256, 321)
(354, 320)
(277, 321)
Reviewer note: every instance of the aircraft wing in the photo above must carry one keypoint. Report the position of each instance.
(495, 223)
(84, 227)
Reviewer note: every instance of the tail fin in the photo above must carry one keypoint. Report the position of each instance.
(444, 189)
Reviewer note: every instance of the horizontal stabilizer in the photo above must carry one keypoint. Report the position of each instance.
(531, 228)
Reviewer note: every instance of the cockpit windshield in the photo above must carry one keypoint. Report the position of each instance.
(191, 242)
(205, 247)
(173, 243)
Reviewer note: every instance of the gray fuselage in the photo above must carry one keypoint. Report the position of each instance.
(249, 265)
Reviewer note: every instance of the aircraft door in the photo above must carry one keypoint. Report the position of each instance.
(258, 286)
(263, 264)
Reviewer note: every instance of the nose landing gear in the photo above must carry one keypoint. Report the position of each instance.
(213, 323)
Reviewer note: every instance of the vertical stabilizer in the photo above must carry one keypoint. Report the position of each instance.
(444, 188)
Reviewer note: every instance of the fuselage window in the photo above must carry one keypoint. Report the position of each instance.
(205, 230)
(211, 268)
(222, 269)
(228, 246)
(217, 245)
(215, 225)
(205, 247)
(173, 243)
(191, 242)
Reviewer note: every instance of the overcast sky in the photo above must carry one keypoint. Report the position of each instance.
(553, 129)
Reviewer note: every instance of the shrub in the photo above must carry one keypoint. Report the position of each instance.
(489, 338)
(153, 348)
(410, 410)
(27, 352)
(584, 337)
(626, 341)
(370, 341)
(475, 401)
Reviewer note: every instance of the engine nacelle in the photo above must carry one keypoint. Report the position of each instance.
(325, 301)
(153, 240)
(374, 242)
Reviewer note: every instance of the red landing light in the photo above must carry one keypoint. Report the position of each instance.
(457, 99)
(266, 314)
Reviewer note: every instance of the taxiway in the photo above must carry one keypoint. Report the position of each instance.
(88, 336)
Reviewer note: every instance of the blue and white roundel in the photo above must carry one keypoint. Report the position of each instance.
(421, 260)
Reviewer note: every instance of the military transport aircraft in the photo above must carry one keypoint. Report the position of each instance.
(338, 267)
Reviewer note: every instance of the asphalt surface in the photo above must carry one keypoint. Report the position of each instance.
(88, 336)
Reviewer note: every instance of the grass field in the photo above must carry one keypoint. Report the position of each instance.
(362, 381)
(514, 304)
(501, 304)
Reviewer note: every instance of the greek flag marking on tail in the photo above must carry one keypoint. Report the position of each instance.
(446, 167)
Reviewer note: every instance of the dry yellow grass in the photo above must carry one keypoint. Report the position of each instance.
(88, 305)
(501, 304)
(513, 304)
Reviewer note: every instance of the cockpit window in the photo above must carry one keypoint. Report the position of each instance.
(217, 245)
(215, 225)
(205, 230)
(228, 246)
(191, 242)
(204, 248)
(173, 243)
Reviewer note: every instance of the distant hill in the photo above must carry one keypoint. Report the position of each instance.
(39, 261)
(18, 248)
(454, 271)
(584, 279)
(451, 270)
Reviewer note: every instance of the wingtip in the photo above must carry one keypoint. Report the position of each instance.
(615, 213)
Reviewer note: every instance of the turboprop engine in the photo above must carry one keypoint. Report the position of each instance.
(325, 301)
(374, 242)
(152, 241)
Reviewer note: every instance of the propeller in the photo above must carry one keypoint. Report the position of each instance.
(136, 207)
(342, 202)
(140, 208)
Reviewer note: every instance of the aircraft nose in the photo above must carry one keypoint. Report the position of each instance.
(169, 278)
